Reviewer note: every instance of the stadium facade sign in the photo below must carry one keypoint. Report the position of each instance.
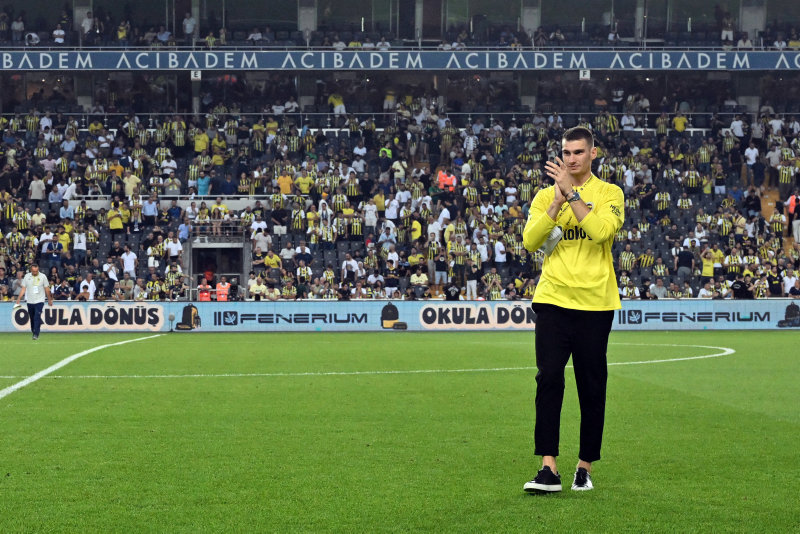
(148, 60)
(376, 316)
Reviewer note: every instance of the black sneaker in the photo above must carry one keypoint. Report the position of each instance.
(35, 337)
(545, 481)
(582, 481)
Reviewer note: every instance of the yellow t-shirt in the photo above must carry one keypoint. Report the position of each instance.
(285, 183)
(200, 142)
(579, 274)
(679, 123)
(114, 220)
(304, 184)
(416, 229)
(130, 184)
(415, 259)
(65, 240)
(273, 262)
(219, 144)
(708, 267)
(335, 99)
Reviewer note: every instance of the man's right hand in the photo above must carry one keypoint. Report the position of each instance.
(558, 201)
(559, 196)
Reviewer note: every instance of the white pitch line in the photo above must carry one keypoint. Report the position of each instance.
(56, 366)
(724, 351)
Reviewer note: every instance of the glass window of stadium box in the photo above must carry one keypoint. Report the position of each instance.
(488, 95)
(483, 22)
(368, 19)
(699, 24)
(783, 17)
(250, 92)
(142, 16)
(241, 16)
(580, 21)
(123, 92)
(22, 92)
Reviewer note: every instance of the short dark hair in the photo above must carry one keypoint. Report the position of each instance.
(577, 133)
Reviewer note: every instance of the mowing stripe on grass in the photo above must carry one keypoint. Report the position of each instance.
(724, 351)
(56, 366)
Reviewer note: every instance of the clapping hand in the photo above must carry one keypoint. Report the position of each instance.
(557, 170)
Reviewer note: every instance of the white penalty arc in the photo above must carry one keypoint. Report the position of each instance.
(721, 351)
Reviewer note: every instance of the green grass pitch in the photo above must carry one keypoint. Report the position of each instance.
(331, 432)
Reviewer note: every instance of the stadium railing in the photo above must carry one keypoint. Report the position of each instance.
(404, 45)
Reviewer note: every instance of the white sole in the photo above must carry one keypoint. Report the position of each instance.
(532, 486)
(581, 488)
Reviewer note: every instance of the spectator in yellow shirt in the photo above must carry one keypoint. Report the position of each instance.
(679, 122)
(304, 183)
(201, 141)
(336, 100)
(218, 144)
(271, 126)
(285, 184)
(218, 159)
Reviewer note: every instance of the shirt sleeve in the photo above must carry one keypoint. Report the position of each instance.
(603, 222)
(539, 223)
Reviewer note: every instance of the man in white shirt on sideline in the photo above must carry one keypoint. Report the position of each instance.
(35, 287)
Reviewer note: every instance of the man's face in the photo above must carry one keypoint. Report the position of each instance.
(578, 156)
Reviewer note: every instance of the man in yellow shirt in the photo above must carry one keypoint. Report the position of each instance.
(679, 122)
(218, 145)
(304, 182)
(131, 182)
(337, 102)
(201, 141)
(272, 260)
(285, 183)
(574, 301)
(271, 126)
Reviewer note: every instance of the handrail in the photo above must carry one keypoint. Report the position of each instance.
(649, 44)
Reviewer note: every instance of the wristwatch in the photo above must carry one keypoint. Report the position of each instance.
(574, 196)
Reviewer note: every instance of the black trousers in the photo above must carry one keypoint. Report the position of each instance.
(562, 332)
(35, 315)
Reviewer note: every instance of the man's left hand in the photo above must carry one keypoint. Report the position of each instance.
(557, 170)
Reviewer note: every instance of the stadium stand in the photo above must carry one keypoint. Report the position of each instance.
(365, 201)
(339, 199)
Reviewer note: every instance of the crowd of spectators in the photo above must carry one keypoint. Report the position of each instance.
(417, 209)
(101, 29)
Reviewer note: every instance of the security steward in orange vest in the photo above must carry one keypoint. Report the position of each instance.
(223, 287)
(204, 291)
(446, 183)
